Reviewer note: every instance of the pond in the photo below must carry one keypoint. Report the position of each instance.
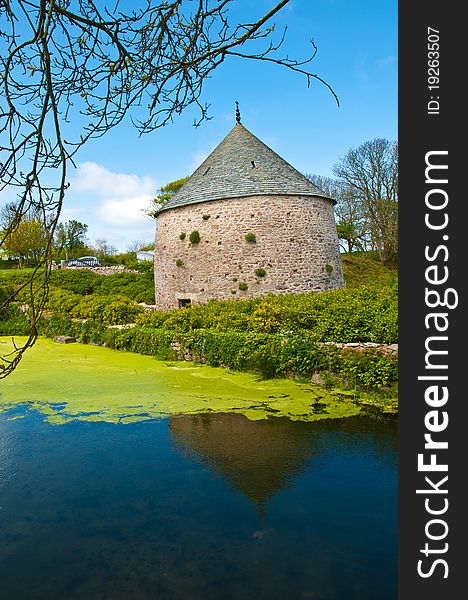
(179, 506)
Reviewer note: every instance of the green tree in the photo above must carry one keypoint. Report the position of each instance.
(165, 193)
(70, 239)
(27, 241)
(347, 232)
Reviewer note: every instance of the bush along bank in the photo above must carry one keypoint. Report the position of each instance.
(370, 374)
(339, 339)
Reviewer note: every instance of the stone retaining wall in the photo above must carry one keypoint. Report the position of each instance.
(384, 349)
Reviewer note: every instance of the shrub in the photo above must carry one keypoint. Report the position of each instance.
(329, 268)
(179, 262)
(107, 310)
(90, 307)
(5, 294)
(13, 321)
(182, 235)
(243, 286)
(266, 318)
(142, 266)
(120, 311)
(250, 237)
(63, 302)
(206, 217)
(194, 237)
(137, 286)
(357, 315)
(260, 272)
(16, 277)
(152, 319)
(78, 281)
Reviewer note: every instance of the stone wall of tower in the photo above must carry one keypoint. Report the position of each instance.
(295, 243)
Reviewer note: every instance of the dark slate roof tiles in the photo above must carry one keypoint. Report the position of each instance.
(242, 165)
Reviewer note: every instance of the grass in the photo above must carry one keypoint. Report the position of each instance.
(365, 269)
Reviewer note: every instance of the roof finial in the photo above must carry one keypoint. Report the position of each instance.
(238, 115)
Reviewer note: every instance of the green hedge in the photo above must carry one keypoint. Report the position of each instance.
(136, 286)
(108, 310)
(358, 315)
(270, 355)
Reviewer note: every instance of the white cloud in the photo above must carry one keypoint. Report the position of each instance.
(92, 177)
(123, 212)
(111, 204)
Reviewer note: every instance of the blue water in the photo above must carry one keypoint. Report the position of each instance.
(198, 507)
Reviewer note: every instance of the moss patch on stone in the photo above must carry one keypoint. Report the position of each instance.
(90, 383)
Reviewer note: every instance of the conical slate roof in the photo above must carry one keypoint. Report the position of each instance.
(241, 165)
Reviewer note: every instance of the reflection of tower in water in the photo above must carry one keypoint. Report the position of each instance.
(258, 458)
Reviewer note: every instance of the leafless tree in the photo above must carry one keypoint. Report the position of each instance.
(81, 66)
(370, 172)
(351, 220)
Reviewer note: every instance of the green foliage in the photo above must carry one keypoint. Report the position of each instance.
(15, 276)
(14, 322)
(206, 217)
(182, 235)
(179, 262)
(357, 315)
(269, 355)
(274, 335)
(165, 193)
(153, 319)
(120, 311)
(266, 318)
(90, 307)
(243, 286)
(27, 241)
(6, 293)
(70, 239)
(138, 287)
(78, 281)
(106, 310)
(368, 369)
(329, 268)
(365, 268)
(250, 237)
(18, 281)
(194, 237)
(260, 272)
(144, 341)
(62, 302)
(143, 266)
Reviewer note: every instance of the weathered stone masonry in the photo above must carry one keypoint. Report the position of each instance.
(295, 245)
(295, 241)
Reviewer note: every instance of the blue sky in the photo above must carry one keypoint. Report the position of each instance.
(357, 56)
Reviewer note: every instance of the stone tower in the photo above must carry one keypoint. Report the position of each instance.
(244, 224)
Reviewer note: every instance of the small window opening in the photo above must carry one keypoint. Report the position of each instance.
(253, 164)
(206, 172)
(184, 302)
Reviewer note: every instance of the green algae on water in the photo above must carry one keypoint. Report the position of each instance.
(91, 383)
